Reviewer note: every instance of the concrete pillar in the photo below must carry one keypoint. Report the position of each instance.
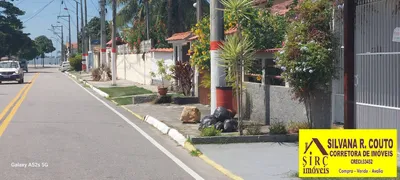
(263, 73)
(216, 38)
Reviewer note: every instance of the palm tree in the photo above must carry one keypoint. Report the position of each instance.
(237, 54)
(238, 51)
(130, 11)
(179, 14)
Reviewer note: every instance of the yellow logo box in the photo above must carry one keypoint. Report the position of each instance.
(348, 153)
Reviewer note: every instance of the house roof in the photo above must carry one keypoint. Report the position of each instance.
(74, 45)
(118, 41)
(227, 32)
(280, 6)
(162, 50)
(269, 50)
(180, 36)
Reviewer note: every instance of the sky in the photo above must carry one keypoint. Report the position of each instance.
(41, 14)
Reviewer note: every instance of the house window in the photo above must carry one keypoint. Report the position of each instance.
(255, 73)
(273, 73)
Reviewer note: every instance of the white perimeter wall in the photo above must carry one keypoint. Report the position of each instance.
(132, 66)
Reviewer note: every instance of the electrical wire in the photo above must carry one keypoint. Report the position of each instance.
(20, 2)
(59, 13)
(66, 8)
(39, 11)
(75, 12)
(94, 5)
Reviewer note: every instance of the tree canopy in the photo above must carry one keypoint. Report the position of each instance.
(165, 18)
(44, 45)
(12, 40)
(94, 29)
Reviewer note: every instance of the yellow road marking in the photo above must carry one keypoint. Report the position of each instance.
(5, 123)
(8, 107)
(190, 147)
(137, 115)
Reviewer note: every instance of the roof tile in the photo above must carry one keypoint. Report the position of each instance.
(180, 36)
(162, 50)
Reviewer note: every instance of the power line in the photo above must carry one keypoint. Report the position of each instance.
(94, 5)
(78, 15)
(39, 11)
(59, 13)
(66, 8)
(20, 2)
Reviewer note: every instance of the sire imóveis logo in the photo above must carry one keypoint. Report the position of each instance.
(315, 160)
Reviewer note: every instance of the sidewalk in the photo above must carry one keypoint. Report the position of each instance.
(120, 82)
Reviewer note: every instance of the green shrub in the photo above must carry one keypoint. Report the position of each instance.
(253, 128)
(294, 127)
(210, 131)
(277, 128)
(75, 62)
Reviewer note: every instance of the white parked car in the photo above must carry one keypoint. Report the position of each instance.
(64, 66)
(11, 71)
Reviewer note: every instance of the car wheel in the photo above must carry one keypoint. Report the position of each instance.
(21, 81)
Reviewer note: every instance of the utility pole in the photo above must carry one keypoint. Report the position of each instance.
(147, 19)
(349, 93)
(62, 41)
(69, 33)
(86, 39)
(216, 38)
(90, 56)
(83, 36)
(113, 49)
(199, 10)
(77, 25)
(103, 32)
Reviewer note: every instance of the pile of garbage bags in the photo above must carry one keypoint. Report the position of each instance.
(222, 119)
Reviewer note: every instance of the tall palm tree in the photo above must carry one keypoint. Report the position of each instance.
(179, 15)
(131, 9)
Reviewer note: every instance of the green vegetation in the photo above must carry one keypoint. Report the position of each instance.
(13, 41)
(125, 91)
(253, 128)
(308, 56)
(277, 128)
(44, 45)
(123, 100)
(75, 62)
(210, 131)
(195, 152)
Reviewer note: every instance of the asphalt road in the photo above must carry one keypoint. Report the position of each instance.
(58, 130)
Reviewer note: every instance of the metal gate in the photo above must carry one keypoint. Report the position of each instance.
(377, 62)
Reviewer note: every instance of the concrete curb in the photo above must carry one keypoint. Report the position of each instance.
(98, 91)
(177, 136)
(245, 139)
(157, 124)
(182, 141)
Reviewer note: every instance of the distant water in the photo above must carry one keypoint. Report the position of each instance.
(46, 61)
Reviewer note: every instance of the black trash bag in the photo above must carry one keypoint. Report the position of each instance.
(207, 121)
(230, 125)
(221, 114)
(219, 125)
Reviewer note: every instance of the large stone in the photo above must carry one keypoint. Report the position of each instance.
(190, 114)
